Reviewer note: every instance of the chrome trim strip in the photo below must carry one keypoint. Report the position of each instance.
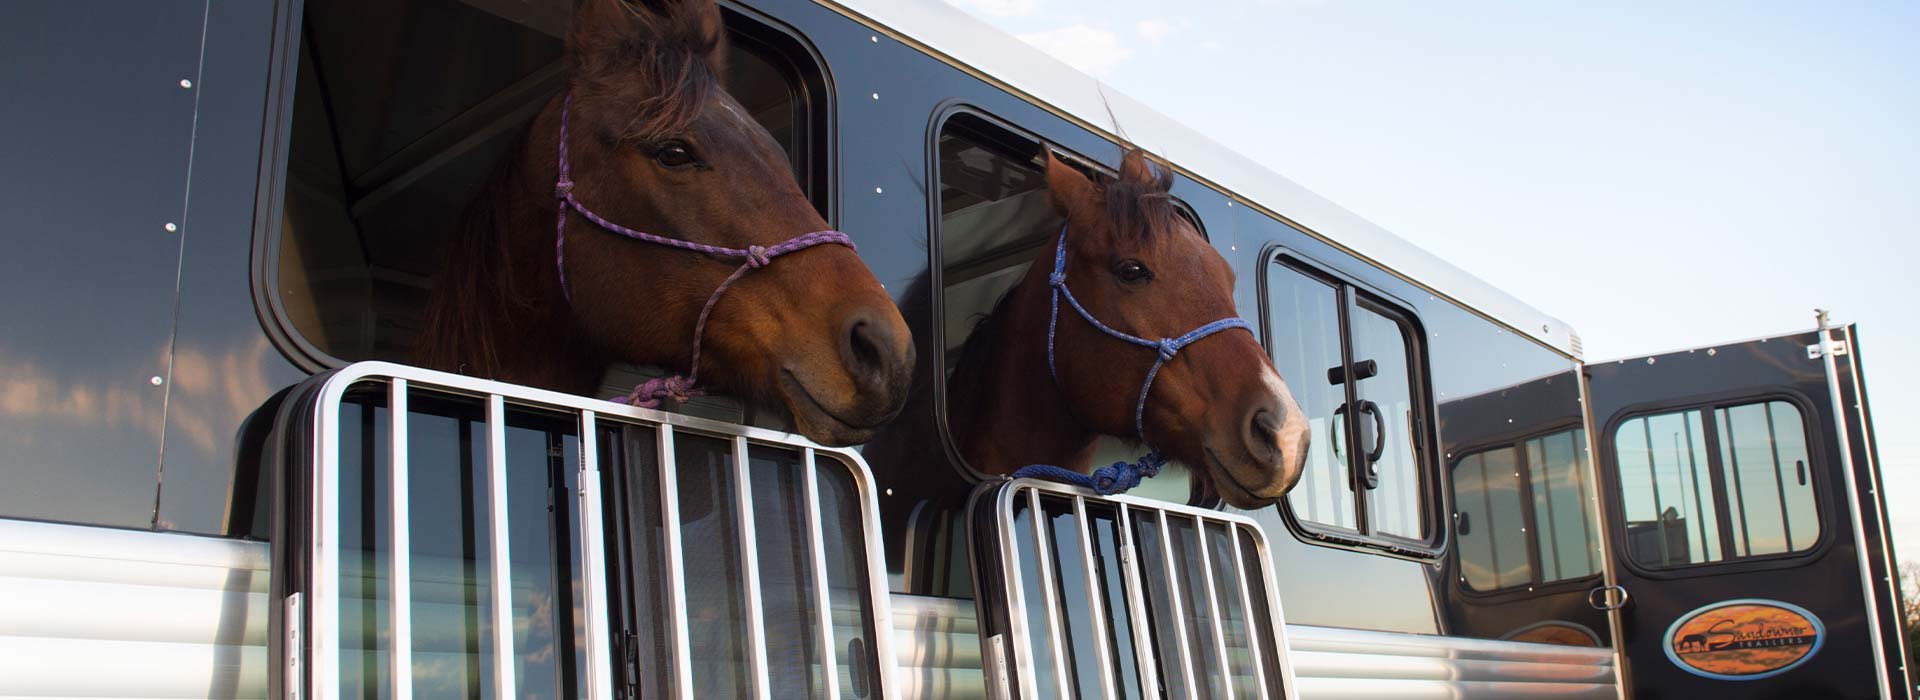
(1610, 576)
(1096, 603)
(817, 554)
(1867, 588)
(1246, 605)
(1873, 474)
(399, 552)
(500, 554)
(1179, 609)
(1143, 651)
(1213, 607)
(750, 572)
(1042, 525)
(599, 650)
(676, 568)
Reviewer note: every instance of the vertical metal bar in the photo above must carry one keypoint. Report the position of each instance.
(998, 683)
(1050, 591)
(1779, 479)
(1213, 606)
(1141, 620)
(817, 554)
(1179, 609)
(1873, 484)
(593, 561)
(750, 571)
(1867, 589)
(399, 556)
(1609, 567)
(1283, 656)
(323, 675)
(1096, 605)
(501, 573)
(676, 567)
(1246, 604)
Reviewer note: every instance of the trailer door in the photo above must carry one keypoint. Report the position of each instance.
(1744, 516)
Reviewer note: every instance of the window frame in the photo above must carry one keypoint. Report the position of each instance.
(1352, 294)
(1817, 465)
(786, 47)
(1010, 136)
(1534, 586)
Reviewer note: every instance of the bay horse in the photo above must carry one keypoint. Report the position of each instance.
(1039, 382)
(625, 225)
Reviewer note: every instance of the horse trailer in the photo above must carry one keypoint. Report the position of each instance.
(227, 469)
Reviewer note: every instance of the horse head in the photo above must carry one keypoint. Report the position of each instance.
(1133, 263)
(654, 145)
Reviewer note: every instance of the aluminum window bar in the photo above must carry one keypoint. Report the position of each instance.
(1213, 607)
(1179, 611)
(817, 554)
(676, 570)
(598, 651)
(1246, 605)
(1096, 605)
(499, 571)
(1137, 608)
(750, 572)
(1845, 440)
(1050, 591)
(399, 552)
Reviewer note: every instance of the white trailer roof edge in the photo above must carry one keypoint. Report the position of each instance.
(998, 57)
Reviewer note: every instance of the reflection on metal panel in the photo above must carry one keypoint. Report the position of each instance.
(95, 612)
(1120, 597)
(1340, 663)
(812, 591)
(946, 30)
(937, 647)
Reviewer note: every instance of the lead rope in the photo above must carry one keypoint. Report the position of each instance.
(1118, 477)
(678, 389)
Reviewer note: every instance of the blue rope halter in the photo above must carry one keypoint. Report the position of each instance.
(1118, 477)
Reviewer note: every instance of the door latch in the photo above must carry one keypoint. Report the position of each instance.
(1609, 597)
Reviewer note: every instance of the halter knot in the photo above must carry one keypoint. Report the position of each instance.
(757, 257)
(1168, 347)
(651, 393)
(563, 189)
(1119, 477)
(1057, 279)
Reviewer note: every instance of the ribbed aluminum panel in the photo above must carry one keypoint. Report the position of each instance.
(1335, 664)
(97, 612)
(937, 648)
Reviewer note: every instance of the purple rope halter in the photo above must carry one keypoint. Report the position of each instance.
(650, 393)
(1118, 477)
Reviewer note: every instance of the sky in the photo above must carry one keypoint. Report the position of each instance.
(1658, 175)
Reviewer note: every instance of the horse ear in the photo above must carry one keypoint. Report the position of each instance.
(1072, 192)
(1137, 169)
(602, 27)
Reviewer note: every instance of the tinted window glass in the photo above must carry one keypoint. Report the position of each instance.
(1304, 340)
(1387, 422)
(1748, 493)
(393, 137)
(1523, 513)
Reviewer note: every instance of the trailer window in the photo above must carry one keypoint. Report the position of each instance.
(996, 218)
(1716, 484)
(404, 110)
(1356, 373)
(1522, 515)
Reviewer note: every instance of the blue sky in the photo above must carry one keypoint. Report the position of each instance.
(1659, 175)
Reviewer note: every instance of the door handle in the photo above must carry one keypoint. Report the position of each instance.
(1604, 598)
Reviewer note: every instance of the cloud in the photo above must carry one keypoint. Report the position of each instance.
(1154, 30)
(1083, 47)
(998, 8)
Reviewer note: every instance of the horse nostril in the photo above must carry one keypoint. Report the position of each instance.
(1263, 433)
(867, 353)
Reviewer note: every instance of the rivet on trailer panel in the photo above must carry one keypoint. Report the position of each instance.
(170, 227)
(877, 190)
(876, 96)
(185, 83)
(875, 38)
(155, 380)
(1649, 360)
(1711, 352)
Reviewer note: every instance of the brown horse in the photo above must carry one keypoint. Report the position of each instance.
(656, 145)
(1142, 269)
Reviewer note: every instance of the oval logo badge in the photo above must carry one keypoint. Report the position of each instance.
(1744, 640)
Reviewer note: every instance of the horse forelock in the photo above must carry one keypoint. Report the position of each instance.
(1140, 204)
(652, 83)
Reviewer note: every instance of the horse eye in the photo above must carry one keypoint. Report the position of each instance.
(674, 154)
(1131, 272)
